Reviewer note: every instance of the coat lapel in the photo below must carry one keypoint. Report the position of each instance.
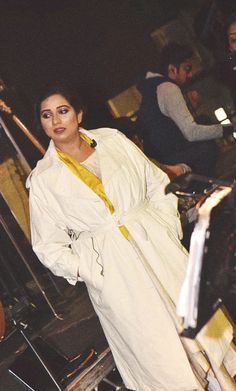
(92, 181)
(87, 177)
(109, 160)
(64, 182)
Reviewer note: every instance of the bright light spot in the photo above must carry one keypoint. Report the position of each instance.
(226, 122)
(220, 114)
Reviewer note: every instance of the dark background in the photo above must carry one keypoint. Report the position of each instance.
(102, 46)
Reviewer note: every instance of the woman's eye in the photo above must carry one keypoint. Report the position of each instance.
(45, 115)
(63, 110)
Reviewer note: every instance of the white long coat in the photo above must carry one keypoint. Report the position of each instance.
(74, 233)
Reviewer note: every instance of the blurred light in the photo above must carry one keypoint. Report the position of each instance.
(220, 114)
(2, 85)
(226, 122)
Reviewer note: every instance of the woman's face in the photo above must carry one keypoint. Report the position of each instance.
(59, 119)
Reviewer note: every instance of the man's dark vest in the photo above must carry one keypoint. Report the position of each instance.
(161, 135)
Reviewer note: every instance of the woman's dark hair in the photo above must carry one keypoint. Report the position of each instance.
(69, 92)
(173, 53)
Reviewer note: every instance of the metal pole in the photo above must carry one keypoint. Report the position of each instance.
(24, 162)
(38, 356)
(28, 268)
(28, 134)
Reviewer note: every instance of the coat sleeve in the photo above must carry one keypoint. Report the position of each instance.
(165, 204)
(156, 182)
(50, 241)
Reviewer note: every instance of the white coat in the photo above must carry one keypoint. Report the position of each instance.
(73, 233)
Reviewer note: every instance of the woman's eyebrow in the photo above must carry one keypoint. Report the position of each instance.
(58, 107)
(65, 105)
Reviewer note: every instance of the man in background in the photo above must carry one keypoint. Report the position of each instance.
(171, 134)
(230, 69)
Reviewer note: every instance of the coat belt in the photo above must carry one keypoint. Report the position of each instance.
(117, 220)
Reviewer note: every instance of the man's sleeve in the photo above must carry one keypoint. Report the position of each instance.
(173, 105)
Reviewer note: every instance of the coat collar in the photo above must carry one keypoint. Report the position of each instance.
(108, 154)
(108, 165)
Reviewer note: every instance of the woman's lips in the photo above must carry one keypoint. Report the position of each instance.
(58, 130)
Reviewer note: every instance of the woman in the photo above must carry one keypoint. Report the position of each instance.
(99, 214)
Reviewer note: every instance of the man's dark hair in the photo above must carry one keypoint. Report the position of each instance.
(173, 53)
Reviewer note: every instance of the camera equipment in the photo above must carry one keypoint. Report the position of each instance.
(210, 280)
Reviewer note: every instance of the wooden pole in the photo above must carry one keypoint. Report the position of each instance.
(28, 134)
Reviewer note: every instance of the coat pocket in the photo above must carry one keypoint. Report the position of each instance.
(90, 264)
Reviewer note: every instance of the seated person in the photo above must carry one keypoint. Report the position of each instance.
(171, 134)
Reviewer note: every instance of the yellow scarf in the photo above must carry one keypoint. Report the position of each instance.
(90, 179)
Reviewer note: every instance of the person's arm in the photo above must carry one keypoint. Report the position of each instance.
(50, 242)
(173, 105)
(172, 170)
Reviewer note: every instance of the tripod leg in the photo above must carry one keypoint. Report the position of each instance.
(42, 362)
